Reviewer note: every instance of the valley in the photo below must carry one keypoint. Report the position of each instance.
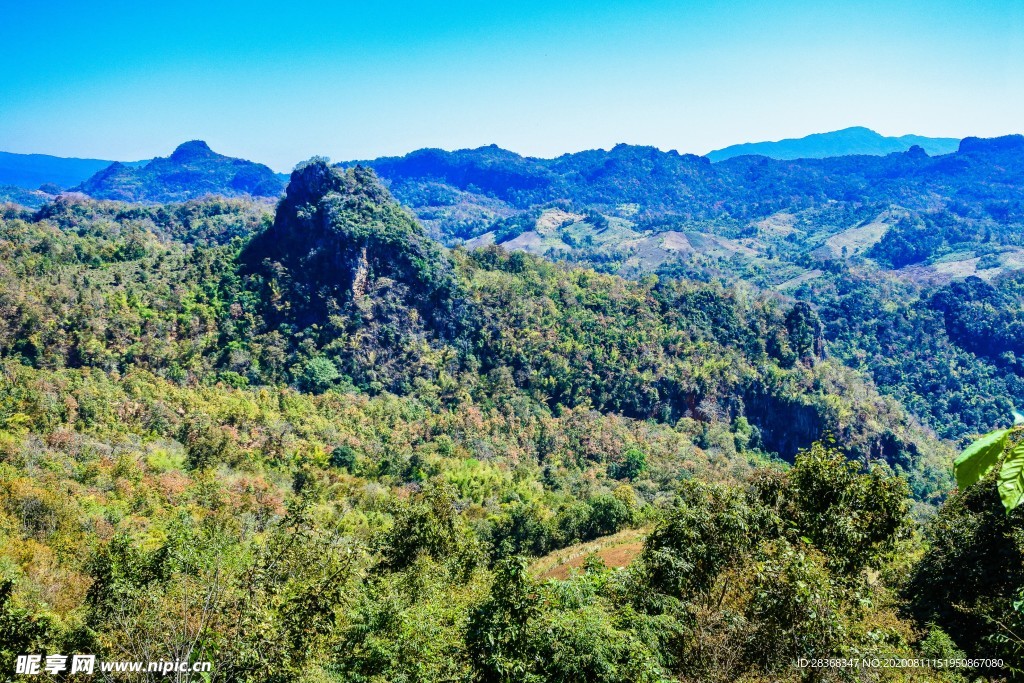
(611, 436)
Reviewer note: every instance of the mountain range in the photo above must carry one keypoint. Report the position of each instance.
(51, 173)
(845, 142)
(635, 209)
(493, 194)
(376, 458)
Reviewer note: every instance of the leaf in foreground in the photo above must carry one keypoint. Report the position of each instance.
(979, 458)
(1011, 478)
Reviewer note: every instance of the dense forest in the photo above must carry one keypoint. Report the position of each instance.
(911, 262)
(311, 443)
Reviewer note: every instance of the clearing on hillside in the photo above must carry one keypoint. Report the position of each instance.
(617, 550)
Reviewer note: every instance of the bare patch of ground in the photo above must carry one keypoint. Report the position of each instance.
(777, 225)
(857, 240)
(617, 550)
(955, 267)
(484, 240)
(553, 219)
(534, 243)
(798, 280)
(675, 241)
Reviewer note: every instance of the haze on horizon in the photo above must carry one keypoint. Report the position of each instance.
(278, 83)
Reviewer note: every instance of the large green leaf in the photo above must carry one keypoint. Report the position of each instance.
(1011, 478)
(980, 457)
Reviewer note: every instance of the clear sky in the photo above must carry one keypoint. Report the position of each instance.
(278, 82)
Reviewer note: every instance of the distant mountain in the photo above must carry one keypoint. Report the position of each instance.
(462, 194)
(457, 194)
(30, 171)
(192, 171)
(846, 142)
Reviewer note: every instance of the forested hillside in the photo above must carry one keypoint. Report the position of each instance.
(873, 244)
(313, 444)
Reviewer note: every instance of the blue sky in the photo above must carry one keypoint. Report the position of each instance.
(279, 82)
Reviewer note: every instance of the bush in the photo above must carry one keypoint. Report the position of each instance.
(708, 529)
(318, 374)
(794, 609)
(632, 465)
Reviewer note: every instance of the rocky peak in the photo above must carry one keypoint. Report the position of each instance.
(337, 233)
(191, 151)
(916, 152)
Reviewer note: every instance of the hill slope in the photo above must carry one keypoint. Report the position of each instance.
(889, 228)
(344, 289)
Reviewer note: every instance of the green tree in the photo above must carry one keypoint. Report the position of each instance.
(318, 374)
(968, 578)
(498, 638)
(707, 529)
(21, 630)
(632, 465)
(853, 518)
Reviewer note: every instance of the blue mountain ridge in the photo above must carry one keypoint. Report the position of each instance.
(846, 142)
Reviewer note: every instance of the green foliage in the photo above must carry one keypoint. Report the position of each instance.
(497, 639)
(984, 454)
(1011, 478)
(705, 532)
(428, 525)
(980, 457)
(911, 240)
(795, 607)
(852, 518)
(408, 626)
(752, 583)
(1007, 633)
(914, 342)
(317, 446)
(938, 645)
(633, 464)
(318, 374)
(804, 331)
(583, 644)
(527, 632)
(523, 530)
(21, 630)
(972, 568)
(343, 457)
